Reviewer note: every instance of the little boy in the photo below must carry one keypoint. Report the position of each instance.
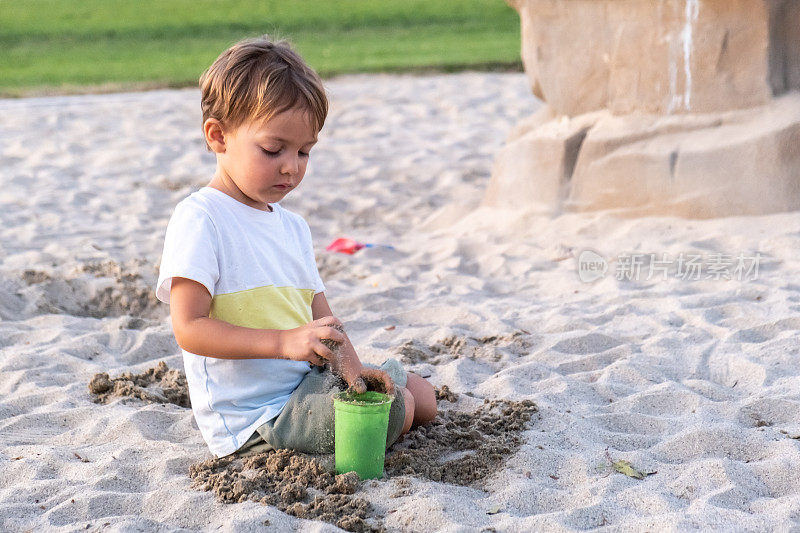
(247, 303)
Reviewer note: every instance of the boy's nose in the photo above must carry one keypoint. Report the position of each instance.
(291, 167)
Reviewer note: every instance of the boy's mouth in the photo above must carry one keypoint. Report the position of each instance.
(283, 187)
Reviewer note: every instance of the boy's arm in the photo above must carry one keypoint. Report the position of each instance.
(197, 333)
(347, 363)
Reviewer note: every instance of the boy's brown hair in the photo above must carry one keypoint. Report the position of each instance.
(258, 78)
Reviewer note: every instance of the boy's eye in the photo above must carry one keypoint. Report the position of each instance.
(273, 154)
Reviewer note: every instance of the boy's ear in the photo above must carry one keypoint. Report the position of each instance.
(215, 136)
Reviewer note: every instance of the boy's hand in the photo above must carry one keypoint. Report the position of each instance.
(360, 378)
(305, 343)
(377, 380)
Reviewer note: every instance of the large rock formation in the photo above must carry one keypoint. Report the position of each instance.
(685, 107)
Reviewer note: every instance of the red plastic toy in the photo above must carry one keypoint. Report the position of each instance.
(344, 245)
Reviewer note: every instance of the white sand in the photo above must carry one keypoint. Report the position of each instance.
(697, 380)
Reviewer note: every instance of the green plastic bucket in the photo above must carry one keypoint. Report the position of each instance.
(360, 424)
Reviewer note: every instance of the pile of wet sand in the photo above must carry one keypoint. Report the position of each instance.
(96, 289)
(305, 486)
(459, 447)
(491, 348)
(297, 484)
(158, 384)
(444, 393)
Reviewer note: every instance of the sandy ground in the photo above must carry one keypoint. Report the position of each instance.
(695, 380)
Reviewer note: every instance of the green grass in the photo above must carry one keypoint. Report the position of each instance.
(52, 46)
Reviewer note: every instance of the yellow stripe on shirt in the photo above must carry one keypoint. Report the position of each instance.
(267, 307)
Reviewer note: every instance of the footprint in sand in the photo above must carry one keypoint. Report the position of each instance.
(769, 412)
(587, 344)
(766, 332)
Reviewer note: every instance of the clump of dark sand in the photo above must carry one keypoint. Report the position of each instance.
(295, 483)
(131, 295)
(77, 293)
(491, 348)
(460, 447)
(157, 384)
(444, 393)
(32, 277)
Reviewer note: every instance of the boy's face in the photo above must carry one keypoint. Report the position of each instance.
(260, 162)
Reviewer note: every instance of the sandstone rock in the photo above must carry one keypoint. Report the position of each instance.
(659, 56)
(671, 107)
(736, 163)
(534, 169)
(715, 164)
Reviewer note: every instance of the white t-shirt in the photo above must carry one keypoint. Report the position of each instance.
(260, 270)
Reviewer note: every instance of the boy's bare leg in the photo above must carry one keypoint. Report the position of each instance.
(409, 401)
(424, 398)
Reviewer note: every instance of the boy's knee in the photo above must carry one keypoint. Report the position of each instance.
(424, 398)
(408, 399)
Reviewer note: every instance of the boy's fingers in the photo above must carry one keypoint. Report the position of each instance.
(383, 376)
(359, 386)
(315, 359)
(323, 351)
(388, 382)
(328, 321)
(334, 334)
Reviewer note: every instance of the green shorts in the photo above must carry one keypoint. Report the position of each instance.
(306, 422)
